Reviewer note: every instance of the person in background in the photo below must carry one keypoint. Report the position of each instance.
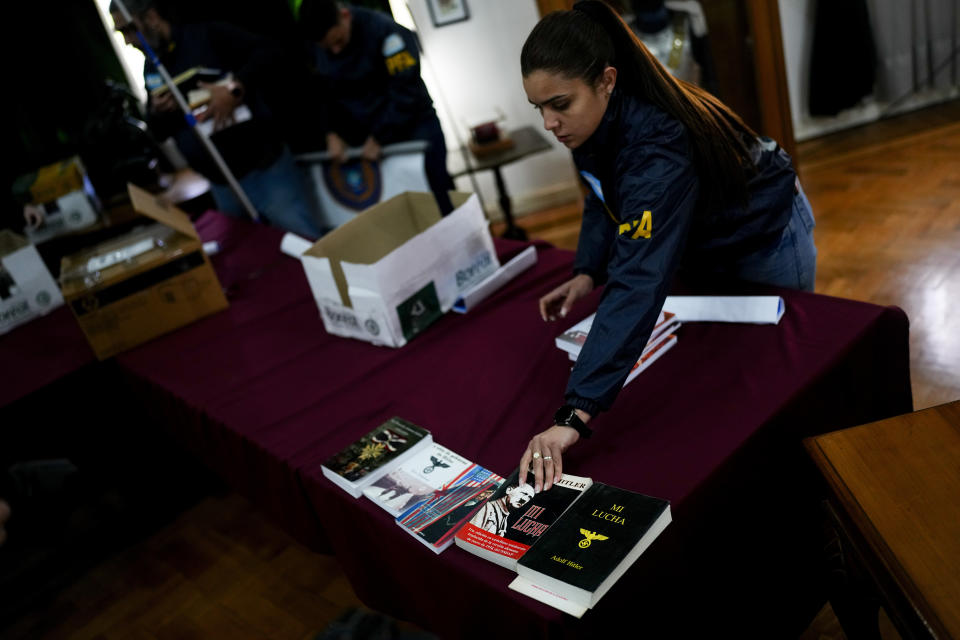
(253, 146)
(675, 180)
(371, 68)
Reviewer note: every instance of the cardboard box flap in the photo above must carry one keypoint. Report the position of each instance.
(370, 237)
(10, 242)
(163, 212)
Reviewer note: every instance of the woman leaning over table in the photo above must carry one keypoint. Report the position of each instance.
(676, 181)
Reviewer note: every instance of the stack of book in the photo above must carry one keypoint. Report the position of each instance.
(662, 339)
(429, 490)
(567, 545)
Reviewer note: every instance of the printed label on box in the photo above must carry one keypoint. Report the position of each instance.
(419, 311)
(366, 324)
(479, 268)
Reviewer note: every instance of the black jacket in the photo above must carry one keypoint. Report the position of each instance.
(375, 83)
(642, 219)
(253, 60)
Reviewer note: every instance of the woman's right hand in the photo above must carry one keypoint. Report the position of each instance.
(558, 302)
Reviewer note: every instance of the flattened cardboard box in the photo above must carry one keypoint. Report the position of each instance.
(142, 284)
(392, 271)
(27, 290)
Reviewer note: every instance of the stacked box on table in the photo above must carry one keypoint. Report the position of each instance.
(142, 284)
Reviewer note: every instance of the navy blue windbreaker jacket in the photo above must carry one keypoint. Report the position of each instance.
(639, 224)
(375, 81)
(254, 61)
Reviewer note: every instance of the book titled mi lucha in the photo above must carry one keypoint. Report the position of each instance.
(590, 547)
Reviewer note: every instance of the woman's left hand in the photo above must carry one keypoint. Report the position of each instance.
(549, 447)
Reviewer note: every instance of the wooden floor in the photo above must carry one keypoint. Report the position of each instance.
(887, 202)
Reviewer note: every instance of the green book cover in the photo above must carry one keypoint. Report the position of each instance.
(375, 449)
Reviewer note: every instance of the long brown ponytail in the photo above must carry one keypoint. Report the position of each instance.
(582, 42)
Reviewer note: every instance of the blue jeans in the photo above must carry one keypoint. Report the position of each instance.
(435, 162)
(279, 194)
(791, 262)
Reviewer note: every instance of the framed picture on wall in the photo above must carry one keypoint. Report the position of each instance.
(444, 12)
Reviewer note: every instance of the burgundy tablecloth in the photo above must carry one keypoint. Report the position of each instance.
(40, 352)
(264, 395)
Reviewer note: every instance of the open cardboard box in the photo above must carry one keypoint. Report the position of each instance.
(142, 284)
(389, 273)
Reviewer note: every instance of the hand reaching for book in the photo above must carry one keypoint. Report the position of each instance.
(223, 100)
(558, 302)
(544, 455)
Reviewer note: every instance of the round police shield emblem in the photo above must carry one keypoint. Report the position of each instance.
(356, 184)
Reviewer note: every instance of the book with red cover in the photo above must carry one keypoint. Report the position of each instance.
(573, 339)
(514, 518)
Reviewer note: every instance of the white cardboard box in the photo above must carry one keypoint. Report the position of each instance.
(27, 290)
(65, 194)
(389, 273)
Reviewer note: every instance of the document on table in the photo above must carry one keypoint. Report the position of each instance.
(507, 272)
(751, 309)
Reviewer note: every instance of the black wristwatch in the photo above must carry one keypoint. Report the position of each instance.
(566, 416)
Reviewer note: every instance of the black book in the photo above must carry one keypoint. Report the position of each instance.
(592, 544)
(515, 517)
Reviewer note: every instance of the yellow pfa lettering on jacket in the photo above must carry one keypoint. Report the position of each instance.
(395, 54)
(642, 228)
(400, 62)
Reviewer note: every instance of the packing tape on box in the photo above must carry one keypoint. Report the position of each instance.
(294, 245)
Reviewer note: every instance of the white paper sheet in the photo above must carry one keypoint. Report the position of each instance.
(749, 309)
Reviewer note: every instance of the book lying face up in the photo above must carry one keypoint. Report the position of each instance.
(436, 519)
(514, 518)
(589, 547)
(377, 453)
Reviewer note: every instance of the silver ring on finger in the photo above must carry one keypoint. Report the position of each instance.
(545, 458)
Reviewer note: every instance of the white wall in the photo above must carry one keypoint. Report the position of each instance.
(796, 23)
(130, 58)
(473, 67)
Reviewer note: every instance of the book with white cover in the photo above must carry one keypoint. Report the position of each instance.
(416, 479)
(573, 339)
(435, 520)
(666, 342)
